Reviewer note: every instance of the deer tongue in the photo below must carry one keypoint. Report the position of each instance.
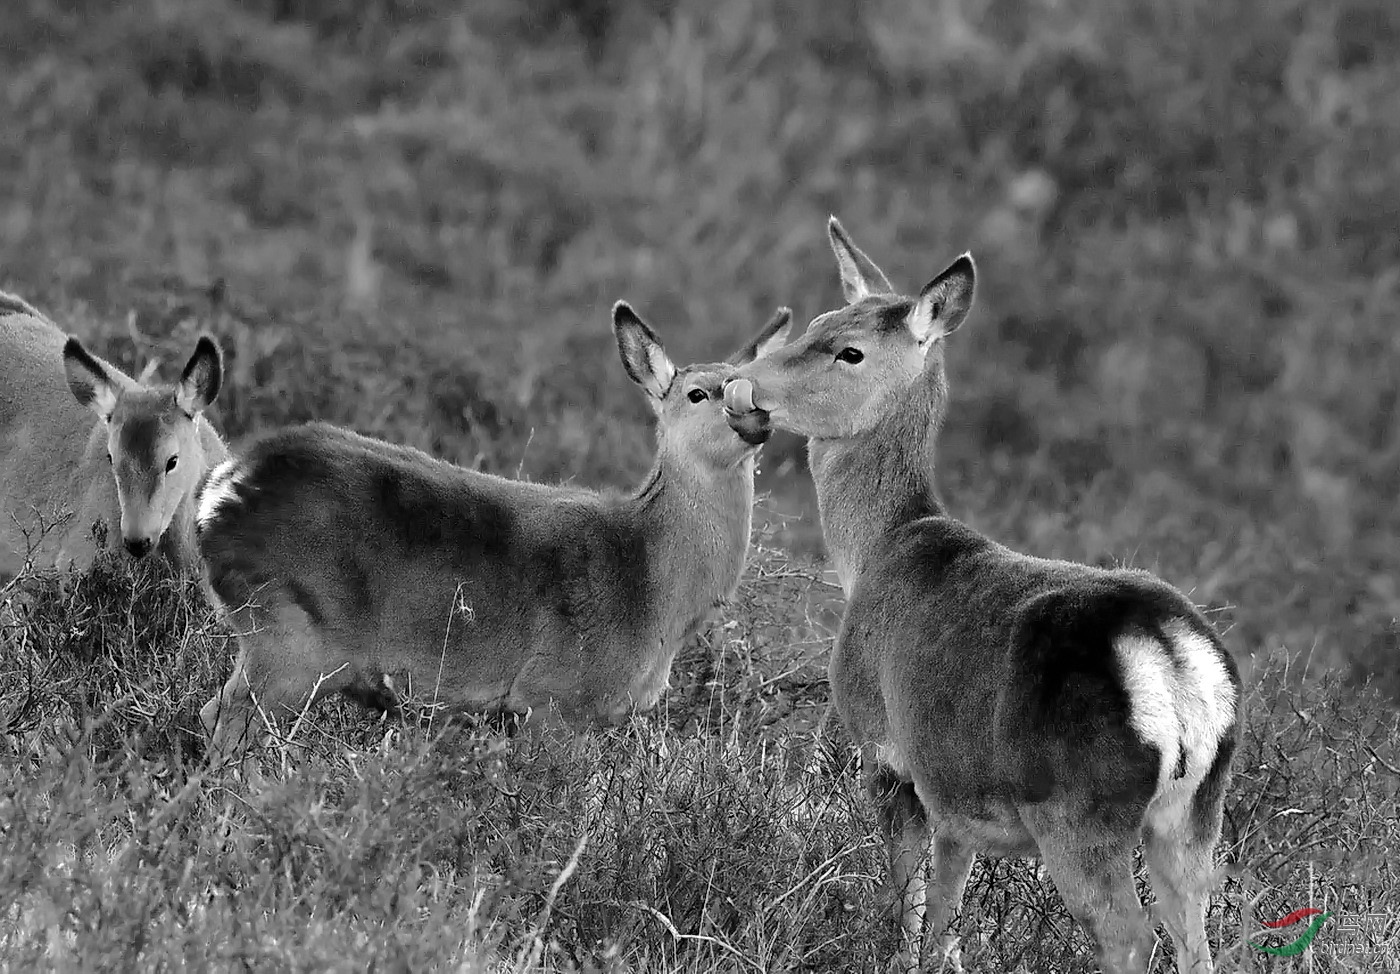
(738, 396)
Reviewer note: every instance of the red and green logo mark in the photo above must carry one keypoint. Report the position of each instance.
(1303, 942)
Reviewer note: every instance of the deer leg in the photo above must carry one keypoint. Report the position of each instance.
(905, 827)
(230, 715)
(1183, 873)
(1096, 882)
(282, 666)
(1180, 850)
(952, 865)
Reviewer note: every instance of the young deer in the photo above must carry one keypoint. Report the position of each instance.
(134, 471)
(347, 561)
(1006, 704)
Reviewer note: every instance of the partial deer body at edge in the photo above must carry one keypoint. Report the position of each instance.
(85, 446)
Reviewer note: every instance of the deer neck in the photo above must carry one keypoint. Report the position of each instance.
(869, 485)
(695, 522)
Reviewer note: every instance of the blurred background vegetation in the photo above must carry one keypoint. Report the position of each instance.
(412, 217)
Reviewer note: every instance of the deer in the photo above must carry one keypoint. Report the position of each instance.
(66, 479)
(349, 564)
(1002, 704)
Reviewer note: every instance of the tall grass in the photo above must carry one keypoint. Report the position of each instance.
(709, 836)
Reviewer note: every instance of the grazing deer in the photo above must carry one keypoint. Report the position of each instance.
(347, 561)
(134, 471)
(1004, 704)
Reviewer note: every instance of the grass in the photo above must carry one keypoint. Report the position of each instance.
(411, 219)
(707, 836)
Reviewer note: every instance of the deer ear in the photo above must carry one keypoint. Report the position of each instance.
(88, 380)
(202, 378)
(773, 335)
(944, 301)
(642, 355)
(859, 275)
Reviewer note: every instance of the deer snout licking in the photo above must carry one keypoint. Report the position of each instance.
(745, 418)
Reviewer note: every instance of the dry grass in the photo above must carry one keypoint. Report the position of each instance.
(717, 834)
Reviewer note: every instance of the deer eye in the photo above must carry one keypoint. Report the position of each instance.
(697, 395)
(170, 464)
(851, 356)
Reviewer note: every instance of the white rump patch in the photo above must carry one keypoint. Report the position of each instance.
(1181, 699)
(218, 491)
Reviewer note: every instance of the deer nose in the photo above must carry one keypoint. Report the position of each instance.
(751, 430)
(137, 547)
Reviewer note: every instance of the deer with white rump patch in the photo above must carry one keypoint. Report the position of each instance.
(345, 560)
(1004, 704)
(133, 470)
